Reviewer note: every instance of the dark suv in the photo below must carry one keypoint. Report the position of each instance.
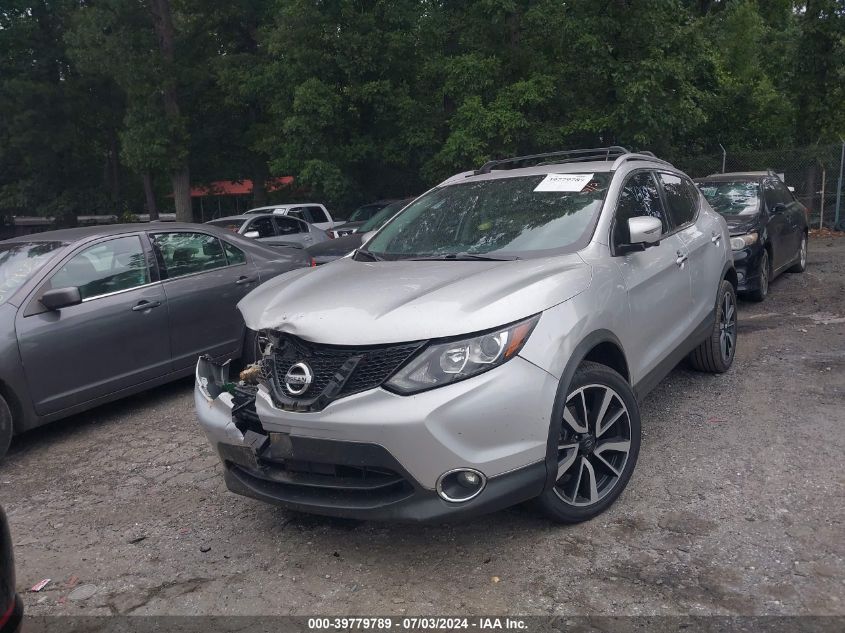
(768, 226)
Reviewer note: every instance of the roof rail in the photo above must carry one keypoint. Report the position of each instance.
(567, 156)
(638, 156)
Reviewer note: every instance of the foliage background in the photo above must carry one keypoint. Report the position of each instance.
(366, 99)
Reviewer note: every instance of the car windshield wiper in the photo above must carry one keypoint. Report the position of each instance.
(466, 257)
(369, 255)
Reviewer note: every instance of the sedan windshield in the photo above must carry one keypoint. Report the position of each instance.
(364, 213)
(740, 197)
(378, 220)
(519, 215)
(229, 225)
(19, 261)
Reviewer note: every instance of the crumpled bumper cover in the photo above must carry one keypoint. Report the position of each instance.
(377, 455)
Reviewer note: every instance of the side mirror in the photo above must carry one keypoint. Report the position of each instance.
(645, 230)
(61, 298)
(252, 234)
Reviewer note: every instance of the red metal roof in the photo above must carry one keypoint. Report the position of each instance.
(237, 187)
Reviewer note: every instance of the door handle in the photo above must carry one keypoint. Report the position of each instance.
(145, 305)
(682, 257)
(245, 280)
(716, 238)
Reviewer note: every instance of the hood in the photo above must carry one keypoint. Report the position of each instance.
(740, 224)
(368, 303)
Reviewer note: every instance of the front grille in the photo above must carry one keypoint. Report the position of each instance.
(337, 371)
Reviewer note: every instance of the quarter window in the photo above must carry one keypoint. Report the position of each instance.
(107, 267)
(680, 199)
(181, 254)
(289, 226)
(639, 197)
(234, 255)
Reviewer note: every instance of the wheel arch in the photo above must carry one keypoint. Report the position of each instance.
(14, 405)
(600, 346)
(729, 274)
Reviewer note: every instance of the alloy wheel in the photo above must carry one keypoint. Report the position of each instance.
(594, 444)
(727, 327)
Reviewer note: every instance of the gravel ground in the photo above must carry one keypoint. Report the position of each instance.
(736, 506)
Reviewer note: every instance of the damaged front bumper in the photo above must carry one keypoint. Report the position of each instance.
(377, 455)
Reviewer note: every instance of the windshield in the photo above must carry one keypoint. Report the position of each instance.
(365, 213)
(741, 197)
(229, 225)
(19, 261)
(378, 220)
(521, 215)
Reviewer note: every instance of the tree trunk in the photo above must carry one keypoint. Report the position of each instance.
(182, 195)
(180, 175)
(150, 195)
(259, 183)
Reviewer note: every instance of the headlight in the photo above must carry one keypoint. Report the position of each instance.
(443, 363)
(741, 241)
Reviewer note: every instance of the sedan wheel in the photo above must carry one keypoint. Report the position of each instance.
(598, 442)
(763, 289)
(801, 265)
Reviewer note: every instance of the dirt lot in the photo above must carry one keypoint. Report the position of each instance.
(736, 506)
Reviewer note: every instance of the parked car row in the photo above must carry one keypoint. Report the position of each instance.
(543, 299)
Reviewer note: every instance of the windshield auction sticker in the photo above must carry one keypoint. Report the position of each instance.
(564, 182)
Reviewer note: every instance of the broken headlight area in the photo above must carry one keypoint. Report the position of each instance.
(213, 380)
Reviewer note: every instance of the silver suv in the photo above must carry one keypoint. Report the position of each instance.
(487, 346)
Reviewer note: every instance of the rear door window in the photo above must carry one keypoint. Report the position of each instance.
(107, 267)
(181, 254)
(681, 201)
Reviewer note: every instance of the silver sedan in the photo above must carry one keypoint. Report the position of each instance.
(275, 230)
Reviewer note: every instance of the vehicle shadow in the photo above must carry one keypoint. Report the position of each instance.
(111, 413)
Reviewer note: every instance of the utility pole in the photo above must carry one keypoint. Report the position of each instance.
(839, 187)
(724, 155)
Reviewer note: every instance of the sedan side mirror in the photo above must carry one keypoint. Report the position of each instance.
(61, 298)
(252, 234)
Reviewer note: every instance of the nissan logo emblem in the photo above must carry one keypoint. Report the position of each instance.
(298, 379)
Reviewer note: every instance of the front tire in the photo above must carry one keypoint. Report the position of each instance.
(6, 428)
(598, 442)
(801, 265)
(716, 353)
(765, 276)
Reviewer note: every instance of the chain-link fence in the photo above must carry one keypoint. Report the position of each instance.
(812, 172)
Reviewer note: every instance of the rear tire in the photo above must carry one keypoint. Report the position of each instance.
(801, 265)
(765, 277)
(6, 428)
(598, 441)
(716, 353)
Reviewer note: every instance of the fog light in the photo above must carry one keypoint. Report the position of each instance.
(460, 484)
